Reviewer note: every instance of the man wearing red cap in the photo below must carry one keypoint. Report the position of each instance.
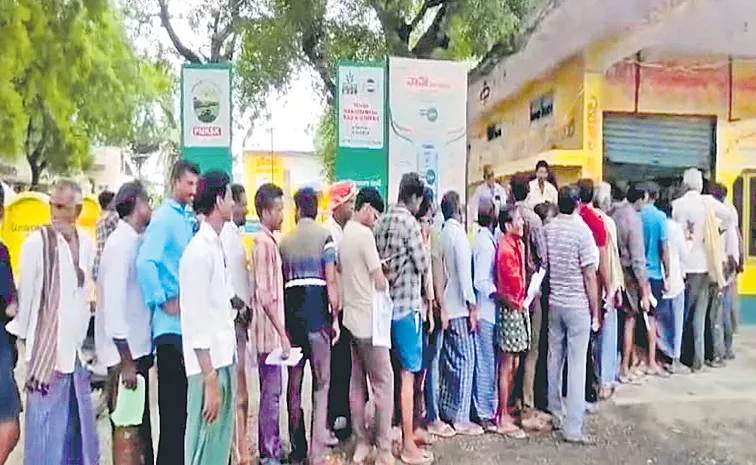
(341, 196)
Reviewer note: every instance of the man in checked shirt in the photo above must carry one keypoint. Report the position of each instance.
(400, 245)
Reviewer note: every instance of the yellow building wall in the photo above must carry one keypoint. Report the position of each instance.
(522, 141)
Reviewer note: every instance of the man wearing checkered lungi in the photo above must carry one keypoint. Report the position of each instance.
(458, 352)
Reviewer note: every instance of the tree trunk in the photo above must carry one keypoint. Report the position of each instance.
(36, 171)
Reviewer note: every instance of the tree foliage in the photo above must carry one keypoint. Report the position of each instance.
(69, 78)
(270, 41)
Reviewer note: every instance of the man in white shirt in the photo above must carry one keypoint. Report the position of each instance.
(541, 190)
(362, 276)
(123, 336)
(238, 270)
(690, 211)
(207, 326)
(56, 262)
(489, 189)
(458, 352)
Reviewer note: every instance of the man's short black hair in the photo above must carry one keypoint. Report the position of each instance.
(426, 203)
(265, 196)
(542, 164)
(567, 199)
(665, 201)
(520, 187)
(410, 185)
(450, 204)
(127, 197)
(183, 166)
(634, 194)
(542, 210)
(650, 188)
(211, 186)
(105, 198)
(585, 190)
(506, 216)
(2, 195)
(369, 196)
(306, 201)
(237, 190)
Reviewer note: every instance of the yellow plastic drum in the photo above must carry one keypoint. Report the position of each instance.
(90, 213)
(27, 212)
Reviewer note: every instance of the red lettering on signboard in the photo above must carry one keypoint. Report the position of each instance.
(207, 131)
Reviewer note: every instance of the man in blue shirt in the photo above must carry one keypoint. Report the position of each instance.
(656, 242)
(169, 232)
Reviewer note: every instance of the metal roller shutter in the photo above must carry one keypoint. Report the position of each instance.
(656, 146)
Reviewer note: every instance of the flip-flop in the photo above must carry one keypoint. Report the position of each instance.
(658, 372)
(516, 433)
(630, 379)
(426, 460)
(442, 430)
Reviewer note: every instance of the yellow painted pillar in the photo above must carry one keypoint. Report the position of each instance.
(593, 125)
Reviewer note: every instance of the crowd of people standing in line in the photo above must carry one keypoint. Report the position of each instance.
(629, 282)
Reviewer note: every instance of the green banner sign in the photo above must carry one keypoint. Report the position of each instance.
(206, 116)
(361, 125)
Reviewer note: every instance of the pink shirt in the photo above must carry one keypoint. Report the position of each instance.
(268, 292)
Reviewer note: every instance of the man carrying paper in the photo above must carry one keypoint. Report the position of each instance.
(362, 276)
(123, 337)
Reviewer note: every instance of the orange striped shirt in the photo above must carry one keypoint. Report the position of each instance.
(268, 292)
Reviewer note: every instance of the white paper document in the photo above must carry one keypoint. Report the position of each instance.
(382, 311)
(274, 358)
(535, 287)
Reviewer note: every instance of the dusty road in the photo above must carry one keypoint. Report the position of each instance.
(707, 419)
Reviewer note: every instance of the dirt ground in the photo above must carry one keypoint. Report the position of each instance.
(705, 419)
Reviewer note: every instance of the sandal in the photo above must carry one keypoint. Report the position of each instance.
(427, 459)
(607, 393)
(658, 372)
(630, 379)
(515, 433)
(442, 430)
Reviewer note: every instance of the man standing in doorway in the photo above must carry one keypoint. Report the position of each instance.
(169, 232)
(52, 319)
(311, 299)
(573, 311)
(400, 244)
(341, 197)
(541, 190)
(236, 264)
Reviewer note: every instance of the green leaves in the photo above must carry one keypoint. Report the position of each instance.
(69, 78)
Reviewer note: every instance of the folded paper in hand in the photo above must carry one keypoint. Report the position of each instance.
(535, 287)
(274, 358)
(382, 311)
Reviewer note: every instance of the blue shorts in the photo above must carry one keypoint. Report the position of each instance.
(657, 290)
(407, 339)
(10, 401)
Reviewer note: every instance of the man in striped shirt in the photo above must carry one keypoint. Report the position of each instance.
(311, 293)
(268, 327)
(573, 310)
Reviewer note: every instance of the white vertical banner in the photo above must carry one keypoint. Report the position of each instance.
(428, 124)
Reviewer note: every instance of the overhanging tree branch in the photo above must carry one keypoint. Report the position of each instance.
(397, 31)
(423, 10)
(435, 37)
(512, 43)
(312, 47)
(183, 50)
